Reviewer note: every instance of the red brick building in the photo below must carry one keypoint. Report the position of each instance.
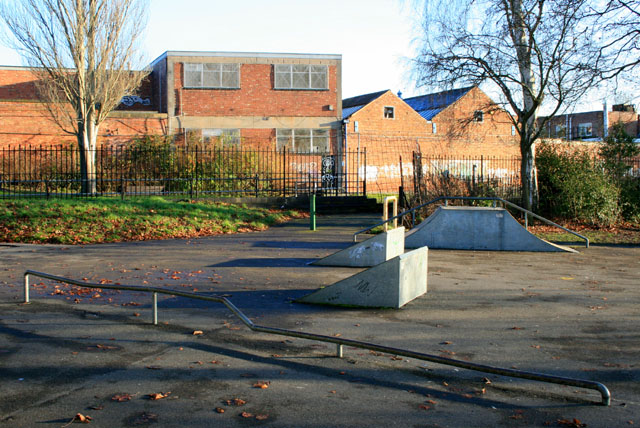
(592, 124)
(456, 124)
(292, 100)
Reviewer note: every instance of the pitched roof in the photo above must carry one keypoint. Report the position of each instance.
(430, 105)
(353, 104)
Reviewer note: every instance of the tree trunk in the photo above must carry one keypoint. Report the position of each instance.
(87, 137)
(528, 176)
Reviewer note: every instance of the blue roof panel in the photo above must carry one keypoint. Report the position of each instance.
(346, 112)
(430, 105)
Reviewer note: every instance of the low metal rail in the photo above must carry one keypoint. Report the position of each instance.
(446, 199)
(340, 342)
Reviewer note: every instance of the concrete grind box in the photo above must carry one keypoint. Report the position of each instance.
(371, 252)
(391, 284)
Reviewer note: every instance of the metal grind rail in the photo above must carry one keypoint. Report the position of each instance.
(446, 199)
(340, 342)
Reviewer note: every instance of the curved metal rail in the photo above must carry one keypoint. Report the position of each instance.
(526, 212)
(340, 342)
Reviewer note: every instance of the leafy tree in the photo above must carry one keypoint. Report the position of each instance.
(531, 51)
(82, 53)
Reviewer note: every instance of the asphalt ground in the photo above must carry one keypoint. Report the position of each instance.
(94, 352)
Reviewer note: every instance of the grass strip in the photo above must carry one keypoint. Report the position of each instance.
(91, 221)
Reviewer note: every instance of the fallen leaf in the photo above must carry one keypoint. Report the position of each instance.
(486, 380)
(197, 332)
(261, 384)
(446, 342)
(332, 392)
(431, 402)
(136, 314)
(575, 423)
(236, 402)
(121, 397)
(246, 415)
(159, 395)
(262, 417)
(219, 410)
(424, 407)
(566, 278)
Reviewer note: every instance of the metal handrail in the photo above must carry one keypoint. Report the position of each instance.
(340, 342)
(526, 212)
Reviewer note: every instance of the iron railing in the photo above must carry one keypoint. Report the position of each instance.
(172, 170)
(338, 341)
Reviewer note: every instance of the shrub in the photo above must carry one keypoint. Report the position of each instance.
(576, 186)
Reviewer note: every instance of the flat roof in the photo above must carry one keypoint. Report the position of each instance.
(337, 57)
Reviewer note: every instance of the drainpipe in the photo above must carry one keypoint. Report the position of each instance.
(605, 120)
(345, 122)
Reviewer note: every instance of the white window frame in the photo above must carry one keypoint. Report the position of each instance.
(285, 76)
(209, 70)
(319, 139)
(389, 109)
(585, 130)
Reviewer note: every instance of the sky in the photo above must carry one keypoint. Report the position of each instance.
(374, 37)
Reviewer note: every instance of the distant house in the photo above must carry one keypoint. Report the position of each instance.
(593, 124)
(456, 124)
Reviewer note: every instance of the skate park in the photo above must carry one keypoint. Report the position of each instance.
(484, 307)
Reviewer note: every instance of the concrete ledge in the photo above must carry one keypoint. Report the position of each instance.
(371, 252)
(391, 284)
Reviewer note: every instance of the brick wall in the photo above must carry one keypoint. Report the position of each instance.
(24, 120)
(390, 143)
(255, 97)
(23, 123)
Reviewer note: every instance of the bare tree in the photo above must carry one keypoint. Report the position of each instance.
(622, 30)
(531, 51)
(82, 53)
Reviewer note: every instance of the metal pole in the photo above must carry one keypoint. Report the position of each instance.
(339, 350)
(312, 211)
(155, 308)
(26, 288)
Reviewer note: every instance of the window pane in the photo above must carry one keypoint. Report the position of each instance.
(300, 80)
(230, 79)
(211, 79)
(283, 76)
(321, 140)
(193, 75)
(319, 77)
(302, 140)
(283, 139)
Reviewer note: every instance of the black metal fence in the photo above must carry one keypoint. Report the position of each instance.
(435, 176)
(170, 170)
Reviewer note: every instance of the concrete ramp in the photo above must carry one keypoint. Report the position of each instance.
(391, 284)
(476, 228)
(371, 252)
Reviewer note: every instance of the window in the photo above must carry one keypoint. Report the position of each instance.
(434, 128)
(301, 76)
(478, 116)
(303, 140)
(222, 76)
(389, 113)
(585, 130)
(513, 130)
(227, 137)
(560, 131)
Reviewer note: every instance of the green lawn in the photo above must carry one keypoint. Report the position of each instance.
(88, 221)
